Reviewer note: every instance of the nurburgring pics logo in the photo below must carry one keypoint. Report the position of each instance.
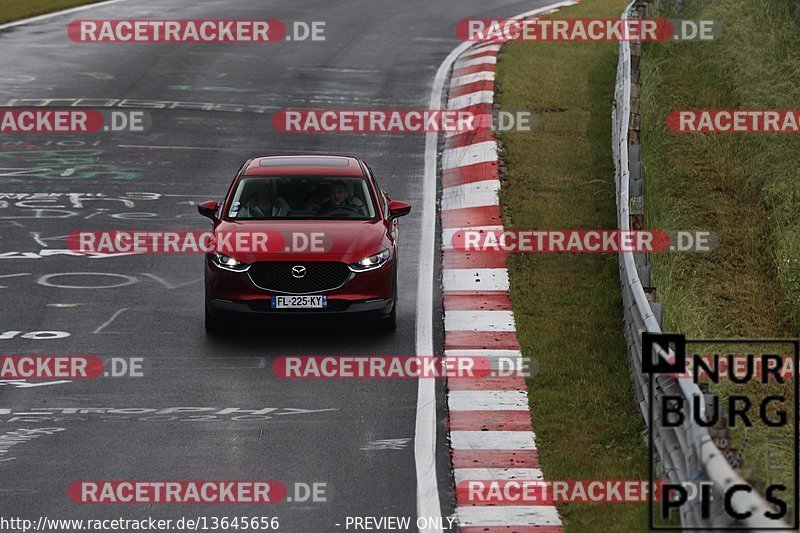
(762, 401)
(739, 367)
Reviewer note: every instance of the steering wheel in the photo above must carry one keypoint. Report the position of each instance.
(344, 210)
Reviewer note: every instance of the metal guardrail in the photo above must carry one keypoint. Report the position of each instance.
(687, 453)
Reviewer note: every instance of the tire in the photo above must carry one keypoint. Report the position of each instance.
(389, 323)
(213, 323)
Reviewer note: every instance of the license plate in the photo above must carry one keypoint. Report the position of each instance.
(299, 302)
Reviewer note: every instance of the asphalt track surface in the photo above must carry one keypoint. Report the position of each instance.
(356, 436)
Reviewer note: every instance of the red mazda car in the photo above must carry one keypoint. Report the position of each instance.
(303, 234)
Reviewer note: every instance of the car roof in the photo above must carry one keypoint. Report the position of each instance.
(308, 165)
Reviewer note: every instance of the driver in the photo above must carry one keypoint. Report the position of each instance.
(265, 205)
(339, 199)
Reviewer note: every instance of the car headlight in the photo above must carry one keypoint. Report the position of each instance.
(372, 262)
(227, 262)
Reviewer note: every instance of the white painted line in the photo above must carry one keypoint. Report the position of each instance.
(475, 194)
(435, 39)
(12, 276)
(472, 78)
(57, 14)
(560, 5)
(492, 440)
(507, 515)
(23, 384)
(471, 99)
(475, 279)
(488, 400)
(474, 320)
(481, 49)
(347, 70)
(447, 234)
(485, 43)
(110, 320)
(469, 474)
(189, 195)
(511, 354)
(469, 155)
(171, 286)
(484, 60)
(426, 423)
(214, 148)
(154, 147)
(505, 364)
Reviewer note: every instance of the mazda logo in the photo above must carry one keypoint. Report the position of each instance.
(299, 271)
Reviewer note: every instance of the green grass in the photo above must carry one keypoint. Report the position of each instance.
(19, 9)
(744, 187)
(568, 307)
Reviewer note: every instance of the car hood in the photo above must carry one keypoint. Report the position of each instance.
(341, 240)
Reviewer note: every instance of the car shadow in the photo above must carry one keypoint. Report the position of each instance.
(314, 334)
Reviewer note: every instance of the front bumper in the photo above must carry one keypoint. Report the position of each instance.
(371, 308)
(361, 287)
(370, 293)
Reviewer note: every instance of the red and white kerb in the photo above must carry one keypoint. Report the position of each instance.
(490, 425)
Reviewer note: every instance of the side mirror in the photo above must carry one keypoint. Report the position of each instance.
(208, 209)
(398, 209)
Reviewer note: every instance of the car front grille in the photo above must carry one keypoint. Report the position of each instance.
(276, 276)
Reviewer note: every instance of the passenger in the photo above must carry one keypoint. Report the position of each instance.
(265, 205)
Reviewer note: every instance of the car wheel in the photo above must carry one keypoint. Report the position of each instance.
(390, 322)
(213, 323)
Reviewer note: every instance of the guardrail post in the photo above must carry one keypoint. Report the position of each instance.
(688, 453)
(636, 181)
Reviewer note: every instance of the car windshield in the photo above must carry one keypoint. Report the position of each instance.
(302, 197)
